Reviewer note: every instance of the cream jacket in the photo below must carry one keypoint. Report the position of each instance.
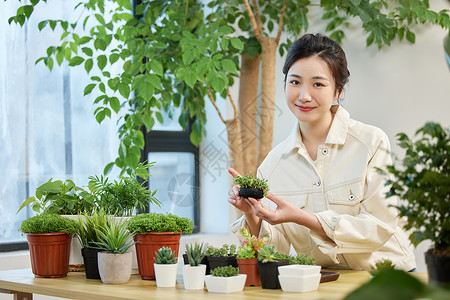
(343, 189)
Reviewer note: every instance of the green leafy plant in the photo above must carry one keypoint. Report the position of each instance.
(422, 179)
(250, 181)
(89, 227)
(124, 195)
(48, 223)
(157, 222)
(381, 265)
(224, 251)
(165, 255)
(115, 238)
(301, 259)
(267, 254)
(250, 246)
(227, 271)
(60, 197)
(195, 253)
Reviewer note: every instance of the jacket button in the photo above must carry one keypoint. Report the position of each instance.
(334, 219)
(325, 151)
(351, 197)
(318, 182)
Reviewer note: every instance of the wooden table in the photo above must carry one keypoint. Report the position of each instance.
(22, 284)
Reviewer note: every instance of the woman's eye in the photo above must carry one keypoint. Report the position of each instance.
(295, 82)
(318, 84)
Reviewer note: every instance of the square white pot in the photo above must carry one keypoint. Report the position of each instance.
(299, 284)
(194, 277)
(166, 275)
(232, 284)
(299, 270)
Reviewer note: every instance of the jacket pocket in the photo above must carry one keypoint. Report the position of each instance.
(346, 199)
(300, 200)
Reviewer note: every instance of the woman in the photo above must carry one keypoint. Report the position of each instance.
(326, 197)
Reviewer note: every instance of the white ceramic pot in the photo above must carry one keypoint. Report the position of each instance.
(194, 277)
(299, 283)
(114, 268)
(232, 284)
(166, 274)
(300, 270)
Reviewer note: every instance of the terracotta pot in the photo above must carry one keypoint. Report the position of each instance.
(114, 268)
(49, 253)
(250, 267)
(149, 243)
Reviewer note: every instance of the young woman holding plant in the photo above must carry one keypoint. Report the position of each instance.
(327, 199)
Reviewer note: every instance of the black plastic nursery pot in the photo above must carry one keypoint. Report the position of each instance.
(251, 193)
(222, 261)
(438, 268)
(91, 263)
(203, 262)
(269, 273)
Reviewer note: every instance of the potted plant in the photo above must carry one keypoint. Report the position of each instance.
(115, 261)
(221, 257)
(225, 280)
(268, 262)
(89, 237)
(300, 275)
(247, 258)
(380, 266)
(194, 273)
(165, 267)
(422, 180)
(49, 237)
(251, 186)
(153, 231)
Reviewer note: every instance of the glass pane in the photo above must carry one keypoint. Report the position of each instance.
(173, 175)
(170, 120)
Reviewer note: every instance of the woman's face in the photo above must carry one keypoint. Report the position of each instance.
(310, 90)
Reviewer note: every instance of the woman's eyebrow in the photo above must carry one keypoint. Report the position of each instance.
(314, 77)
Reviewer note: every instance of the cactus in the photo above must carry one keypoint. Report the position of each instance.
(165, 256)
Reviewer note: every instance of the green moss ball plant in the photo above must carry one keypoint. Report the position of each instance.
(251, 187)
(157, 222)
(49, 223)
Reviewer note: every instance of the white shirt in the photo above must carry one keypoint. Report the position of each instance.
(346, 193)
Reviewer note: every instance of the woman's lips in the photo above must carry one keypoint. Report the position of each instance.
(305, 108)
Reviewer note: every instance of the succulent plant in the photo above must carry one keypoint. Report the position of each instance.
(165, 256)
(195, 253)
(227, 271)
(224, 251)
(381, 265)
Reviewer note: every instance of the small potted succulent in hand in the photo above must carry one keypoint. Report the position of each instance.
(194, 273)
(251, 187)
(225, 280)
(165, 267)
(221, 257)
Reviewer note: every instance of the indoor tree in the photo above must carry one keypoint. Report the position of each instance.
(179, 53)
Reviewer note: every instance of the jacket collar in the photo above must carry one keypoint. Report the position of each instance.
(336, 135)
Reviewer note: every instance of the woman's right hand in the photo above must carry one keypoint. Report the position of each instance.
(237, 201)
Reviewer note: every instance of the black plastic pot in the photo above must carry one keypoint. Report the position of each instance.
(203, 262)
(222, 261)
(438, 268)
(269, 273)
(251, 193)
(91, 263)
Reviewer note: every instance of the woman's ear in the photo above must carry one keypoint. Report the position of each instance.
(338, 94)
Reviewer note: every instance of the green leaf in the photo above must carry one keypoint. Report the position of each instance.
(101, 61)
(108, 168)
(42, 24)
(113, 58)
(75, 61)
(99, 43)
(411, 37)
(157, 67)
(115, 104)
(229, 66)
(88, 65)
(87, 51)
(100, 19)
(237, 43)
(124, 90)
(88, 89)
(100, 116)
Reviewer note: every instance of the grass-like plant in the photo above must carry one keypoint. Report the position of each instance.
(157, 222)
(224, 251)
(115, 238)
(165, 255)
(249, 181)
(89, 227)
(227, 271)
(195, 253)
(48, 223)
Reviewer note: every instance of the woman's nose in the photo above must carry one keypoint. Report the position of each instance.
(304, 95)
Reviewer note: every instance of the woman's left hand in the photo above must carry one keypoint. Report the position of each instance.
(285, 211)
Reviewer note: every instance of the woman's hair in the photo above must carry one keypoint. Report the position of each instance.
(323, 47)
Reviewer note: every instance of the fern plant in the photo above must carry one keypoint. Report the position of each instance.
(227, 271)
(195, 253)
(165, 256)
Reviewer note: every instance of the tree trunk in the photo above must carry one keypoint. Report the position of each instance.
(248, 100)
(235, 144)
(269, 48)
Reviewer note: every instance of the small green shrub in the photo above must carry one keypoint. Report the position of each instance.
(195, 253)
(228, 271)
(48, 223)
(156, 222)
(165, 256)
(224, 251)
(250, 181)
